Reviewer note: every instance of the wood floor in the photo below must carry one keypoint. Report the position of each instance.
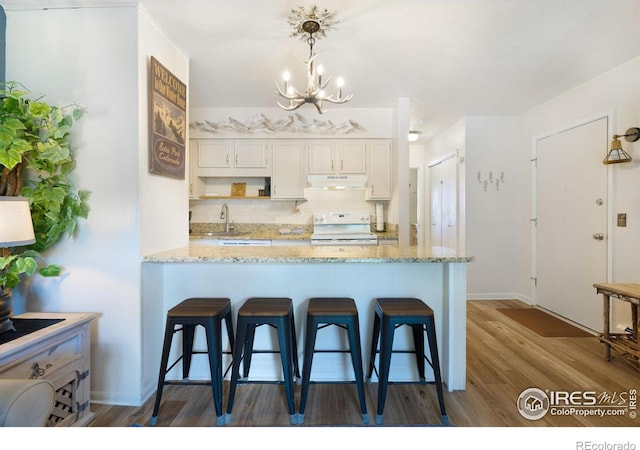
(503, 359)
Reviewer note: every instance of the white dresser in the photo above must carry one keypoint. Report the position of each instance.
(59, 353)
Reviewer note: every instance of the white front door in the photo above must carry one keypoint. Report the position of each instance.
(571, 221)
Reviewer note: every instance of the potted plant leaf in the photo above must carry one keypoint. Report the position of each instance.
(35, 163)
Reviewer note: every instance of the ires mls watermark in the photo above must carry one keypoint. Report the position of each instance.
(534, 403)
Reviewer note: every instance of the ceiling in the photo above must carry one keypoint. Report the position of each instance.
(449, 57)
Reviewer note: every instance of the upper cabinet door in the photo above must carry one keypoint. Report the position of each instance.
(289, 178)
(379, 173)
(251, 154)
(352, 157)
(214, 153)
(321, 158)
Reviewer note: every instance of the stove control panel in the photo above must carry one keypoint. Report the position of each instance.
(342, 217)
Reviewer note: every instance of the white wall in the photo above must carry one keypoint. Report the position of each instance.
(490, 207)
(77, 57)
(484, 147)
(617, 90)
(164, 206)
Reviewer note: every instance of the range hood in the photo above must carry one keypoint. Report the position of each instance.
(337, 182)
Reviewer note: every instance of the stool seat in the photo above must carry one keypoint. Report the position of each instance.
(276, 312)
(391, 313)
(201, 307)
(330, 306)
(343, 313)
(403, 307)
(208, 313)
(265, 307)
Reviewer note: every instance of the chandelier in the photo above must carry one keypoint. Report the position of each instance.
(311, 23)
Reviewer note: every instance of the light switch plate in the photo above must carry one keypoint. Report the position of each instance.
(622, 220)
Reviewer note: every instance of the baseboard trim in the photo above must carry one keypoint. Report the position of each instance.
(499, 296)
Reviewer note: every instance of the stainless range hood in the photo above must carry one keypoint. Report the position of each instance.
(337, 182)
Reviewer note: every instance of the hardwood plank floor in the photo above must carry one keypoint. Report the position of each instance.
(504, 358)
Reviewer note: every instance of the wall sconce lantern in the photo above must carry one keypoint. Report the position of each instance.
(617, 154)
(414, 135)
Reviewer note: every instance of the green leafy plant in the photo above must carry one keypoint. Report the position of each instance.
(36, 162)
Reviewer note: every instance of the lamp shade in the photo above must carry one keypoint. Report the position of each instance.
(16, 227)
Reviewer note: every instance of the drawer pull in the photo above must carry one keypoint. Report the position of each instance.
(37, 371)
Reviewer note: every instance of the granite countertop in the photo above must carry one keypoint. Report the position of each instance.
(308, 254)
(281, 232)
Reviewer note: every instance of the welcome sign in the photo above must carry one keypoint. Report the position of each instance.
(167, 122)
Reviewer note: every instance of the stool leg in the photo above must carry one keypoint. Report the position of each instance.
(309, 346)
(294, 346)
(188, 333)
(166, 347)
(435, 363)
(386, 346)
(418, 342)
(241, 331)
(229, 325)
(353, 330)
(284, 341)
(214, 350)
(375, 336)
(248, 349)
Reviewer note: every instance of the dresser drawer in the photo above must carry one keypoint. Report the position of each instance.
(44, 362)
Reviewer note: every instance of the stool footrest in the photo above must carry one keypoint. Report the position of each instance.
(187, 382)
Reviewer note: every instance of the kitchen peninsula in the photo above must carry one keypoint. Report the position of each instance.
(362, 272)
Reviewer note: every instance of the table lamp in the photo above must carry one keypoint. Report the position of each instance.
(16, 229)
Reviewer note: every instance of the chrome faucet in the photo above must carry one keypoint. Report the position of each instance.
(224, 214)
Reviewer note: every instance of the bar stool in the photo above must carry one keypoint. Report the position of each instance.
(276, 313)
(391, 313)
(209, 313)
(321, 313)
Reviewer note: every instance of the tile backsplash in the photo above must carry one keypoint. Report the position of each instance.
(283, 211)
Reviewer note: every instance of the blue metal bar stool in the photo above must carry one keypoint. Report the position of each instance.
(391, 313)
(321, 313)
(208, 313)
(277, 313)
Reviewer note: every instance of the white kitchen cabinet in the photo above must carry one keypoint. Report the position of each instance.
(233, 158)
(337, 157)
(289, 178)
(196, 184)
(253, 154)
(214, 153)
(379, 170)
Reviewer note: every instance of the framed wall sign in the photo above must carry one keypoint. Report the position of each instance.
(167, 122)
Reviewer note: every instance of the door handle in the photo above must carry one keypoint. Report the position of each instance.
(598, 236)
